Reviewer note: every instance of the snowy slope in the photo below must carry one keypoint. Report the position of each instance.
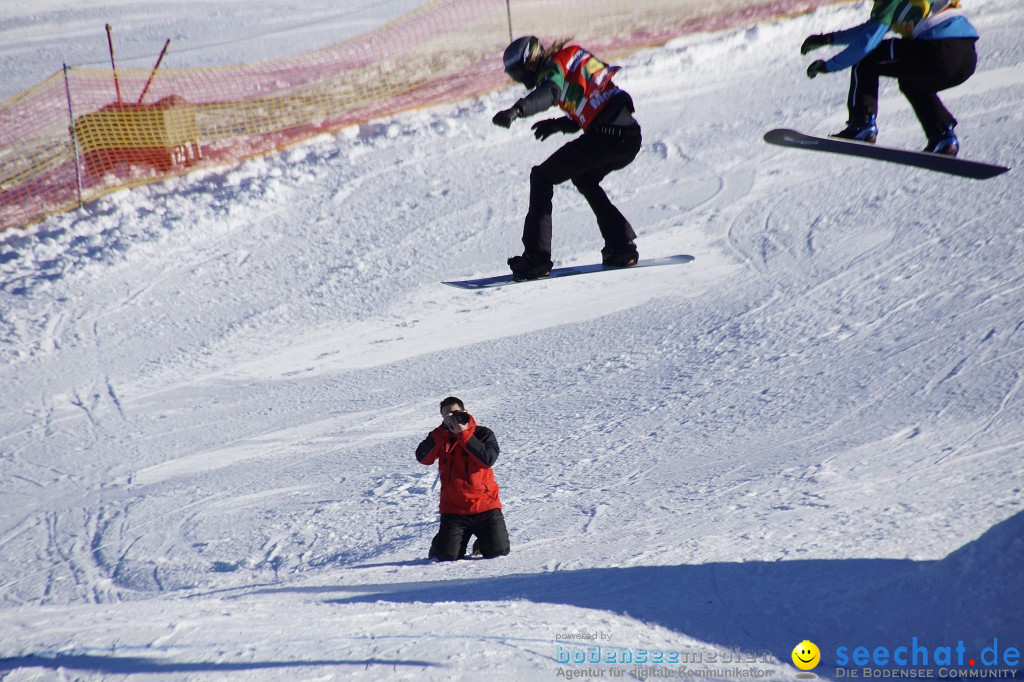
(212, 389)
(37, 36)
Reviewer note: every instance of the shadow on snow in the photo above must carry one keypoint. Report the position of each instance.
(973, 595)
(136, 664)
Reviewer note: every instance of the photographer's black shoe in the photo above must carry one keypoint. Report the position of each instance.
(529, 267)
(620, 257)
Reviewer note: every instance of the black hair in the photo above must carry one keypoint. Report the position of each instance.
(452, 400)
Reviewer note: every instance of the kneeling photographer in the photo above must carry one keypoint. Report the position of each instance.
(465, 453)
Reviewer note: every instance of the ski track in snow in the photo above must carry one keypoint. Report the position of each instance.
(212, 389)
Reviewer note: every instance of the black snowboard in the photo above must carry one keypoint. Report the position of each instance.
(504, 280)
(936, 162)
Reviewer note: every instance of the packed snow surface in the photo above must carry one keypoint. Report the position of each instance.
(211, 388)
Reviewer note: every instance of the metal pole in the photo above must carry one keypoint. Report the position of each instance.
(74, 138)
(508, 9)
(117, 83)
(151, 75)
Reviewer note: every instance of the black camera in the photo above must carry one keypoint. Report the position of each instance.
(461, 417)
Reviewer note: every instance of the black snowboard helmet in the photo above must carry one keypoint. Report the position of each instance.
(521, 58)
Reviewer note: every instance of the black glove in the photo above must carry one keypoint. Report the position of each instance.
(542, 130)
(505, 118)
(816, 41)
(816, 67)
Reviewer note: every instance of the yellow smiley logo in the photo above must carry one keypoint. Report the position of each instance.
(806, 655)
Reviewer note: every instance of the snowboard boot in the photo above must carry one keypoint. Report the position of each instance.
(620, 256)
(944, 142)
(863, 130)
(529, 266)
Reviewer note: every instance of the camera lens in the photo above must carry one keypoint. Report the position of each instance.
(461, 417)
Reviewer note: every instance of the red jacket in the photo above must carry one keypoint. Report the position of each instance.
(464, 461)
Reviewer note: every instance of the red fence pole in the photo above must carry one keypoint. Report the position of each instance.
(157, 66)
(117, 83)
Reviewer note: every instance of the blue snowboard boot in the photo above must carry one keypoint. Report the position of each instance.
(944, 142)
(863, 129)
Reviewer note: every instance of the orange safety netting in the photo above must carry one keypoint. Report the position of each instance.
(190, 118)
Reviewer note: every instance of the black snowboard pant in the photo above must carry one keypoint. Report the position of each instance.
(586, 161)
(456, 529)
(922, 68)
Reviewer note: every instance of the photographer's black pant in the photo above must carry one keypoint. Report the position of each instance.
(586, 161)
(922, 68)
(453, 536)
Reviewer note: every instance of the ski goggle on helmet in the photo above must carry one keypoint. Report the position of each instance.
(518, 54)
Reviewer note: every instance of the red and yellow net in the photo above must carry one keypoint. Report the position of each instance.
(71, 139)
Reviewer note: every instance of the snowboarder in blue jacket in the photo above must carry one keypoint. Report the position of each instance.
(936, 52)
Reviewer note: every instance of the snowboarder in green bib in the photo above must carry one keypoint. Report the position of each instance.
(936, 52)
(581, 85)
